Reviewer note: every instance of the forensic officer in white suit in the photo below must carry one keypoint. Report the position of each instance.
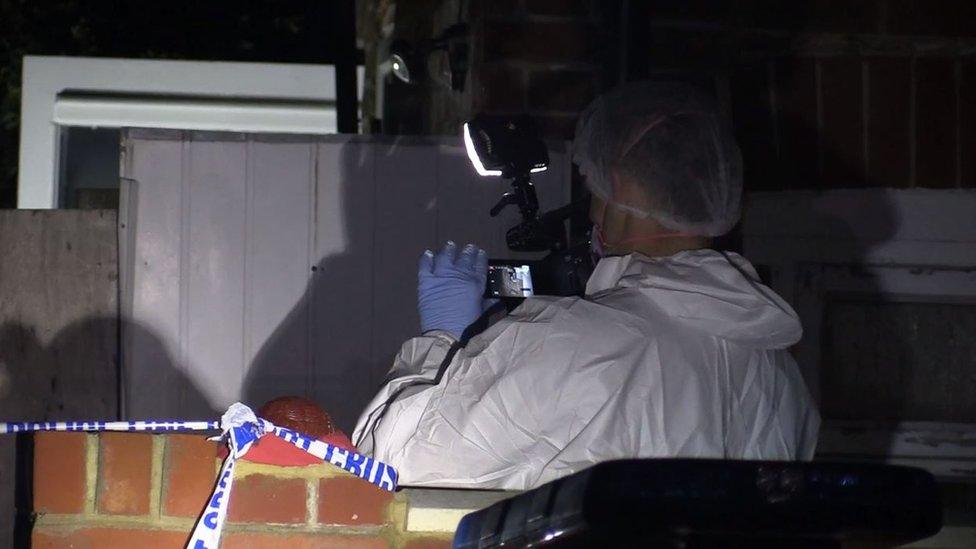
(676, 350)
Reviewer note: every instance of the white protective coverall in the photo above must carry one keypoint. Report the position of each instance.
(680, 356)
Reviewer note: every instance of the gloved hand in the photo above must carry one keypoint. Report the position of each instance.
(450, 287)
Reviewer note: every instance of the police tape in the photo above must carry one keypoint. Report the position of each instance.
(240, 428)
(91, 426)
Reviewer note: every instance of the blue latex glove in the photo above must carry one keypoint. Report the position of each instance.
(450, 287)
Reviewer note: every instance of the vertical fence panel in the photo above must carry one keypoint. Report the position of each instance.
(342, 287)
(281, 181)
(272, 266)
(406, 224)
(213, 276)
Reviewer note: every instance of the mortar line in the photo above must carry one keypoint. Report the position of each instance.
(145, 522)
(156, 476)
(311, 501)
(91, 473)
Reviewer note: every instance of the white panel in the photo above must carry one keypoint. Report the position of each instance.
(213, 275)
(406, 224)
(464, 199)
(196, 114)
(278, 231)
(343, 282)
(916, 226)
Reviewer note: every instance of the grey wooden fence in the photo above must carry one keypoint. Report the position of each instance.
(270, 266)
(58, 328)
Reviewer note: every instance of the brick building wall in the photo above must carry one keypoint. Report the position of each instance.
(543, 57)
(135, 489)
(823, 93)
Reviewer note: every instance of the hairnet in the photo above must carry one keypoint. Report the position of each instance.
(671, 141)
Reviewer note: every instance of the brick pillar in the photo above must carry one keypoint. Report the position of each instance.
(136, 489)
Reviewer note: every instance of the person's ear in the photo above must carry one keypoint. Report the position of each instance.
(629, 191)
(598, 209)
(623, 189)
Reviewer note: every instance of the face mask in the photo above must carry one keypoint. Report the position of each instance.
(597, 249)
(598, 241)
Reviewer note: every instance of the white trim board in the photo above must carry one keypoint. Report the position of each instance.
(99, 111)
(45, 78)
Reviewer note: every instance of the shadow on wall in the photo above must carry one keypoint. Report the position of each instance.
(73, 377)
(327, 348)
(863, 375)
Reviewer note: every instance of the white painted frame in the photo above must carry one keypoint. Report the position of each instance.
(45, 78)
(918, 243)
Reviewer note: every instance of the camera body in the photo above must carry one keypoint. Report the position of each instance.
(510, 147)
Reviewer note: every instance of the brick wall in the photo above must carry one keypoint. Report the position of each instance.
(829, 94)
(823, 94)
(537, 56)
(110, 489)
(857, 121)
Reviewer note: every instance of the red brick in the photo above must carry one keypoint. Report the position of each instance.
(796, 93)
(255, 540)
(935, 122)
(59, 472)
(843, 122)
(124, 473)
(889, 124)
(967, 121)
(429, 543)
(264, 498)
(352, 501)
(538, 42)
(189, 473)
(555, 90)
(96, 538)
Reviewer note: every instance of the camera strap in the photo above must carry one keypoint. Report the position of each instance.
(475, 328)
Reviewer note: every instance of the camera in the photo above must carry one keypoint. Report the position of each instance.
(510, 147)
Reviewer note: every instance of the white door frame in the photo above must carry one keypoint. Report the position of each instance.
(896, 243)
(236, 88)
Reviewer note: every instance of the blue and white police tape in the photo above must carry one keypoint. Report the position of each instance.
(90, 426)
(366, 468)
(240, 429)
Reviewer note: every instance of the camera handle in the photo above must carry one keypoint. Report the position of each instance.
(522, 195)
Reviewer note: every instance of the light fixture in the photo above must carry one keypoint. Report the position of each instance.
(507, 146)
(510, 147)
(473, 153)
(410, 65)
(401, 57)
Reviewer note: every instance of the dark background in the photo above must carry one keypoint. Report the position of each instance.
(823, 93)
